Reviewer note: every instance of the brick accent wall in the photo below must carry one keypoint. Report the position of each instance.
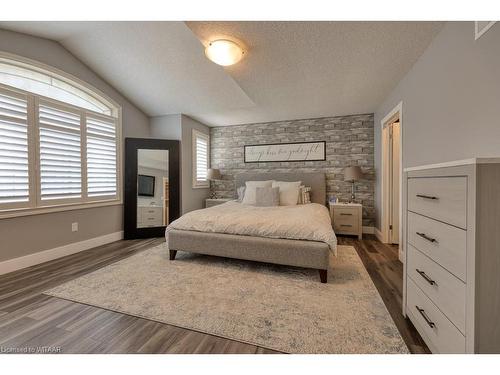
(349, 141)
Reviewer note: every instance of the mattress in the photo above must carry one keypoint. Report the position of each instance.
(308, 222)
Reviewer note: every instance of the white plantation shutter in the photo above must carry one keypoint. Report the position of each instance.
(53, 153)
(200, 159)
(101, 157)
(14, 157)
(59, 153)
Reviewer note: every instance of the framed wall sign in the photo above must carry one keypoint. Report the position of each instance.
(299, 151)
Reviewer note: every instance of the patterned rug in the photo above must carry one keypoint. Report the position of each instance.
(277, 307)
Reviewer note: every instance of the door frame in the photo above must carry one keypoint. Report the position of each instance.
(396, 112)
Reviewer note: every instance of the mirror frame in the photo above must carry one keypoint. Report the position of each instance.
(132, 145)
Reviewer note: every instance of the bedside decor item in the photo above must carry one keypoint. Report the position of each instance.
(347, 218)
(213, 174)
(300, 151)
(352, 174)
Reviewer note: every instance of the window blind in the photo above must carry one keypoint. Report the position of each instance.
(101, 157)
(59, 153)
(201, 158)
(14, 160)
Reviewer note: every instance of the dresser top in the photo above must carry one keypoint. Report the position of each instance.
(454, 163)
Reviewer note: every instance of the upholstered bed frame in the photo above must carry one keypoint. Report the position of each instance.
(301, 253)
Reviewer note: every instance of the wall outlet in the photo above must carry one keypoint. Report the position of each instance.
(74, 227)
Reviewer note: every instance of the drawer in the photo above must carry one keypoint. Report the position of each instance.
(151, 210)
(440, 335)
(147, 215)
(346, 225)
(445, 244)
(441, 198)
(445, 290)
(345, 215)
(345, 228)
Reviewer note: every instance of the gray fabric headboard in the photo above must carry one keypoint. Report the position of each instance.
(315, 180)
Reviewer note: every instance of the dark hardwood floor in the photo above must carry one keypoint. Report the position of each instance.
(30, 319)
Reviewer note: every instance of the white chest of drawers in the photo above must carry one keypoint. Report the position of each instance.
(149, 216)
(452, 255)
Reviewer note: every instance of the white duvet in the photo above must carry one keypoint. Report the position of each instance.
(300, 222)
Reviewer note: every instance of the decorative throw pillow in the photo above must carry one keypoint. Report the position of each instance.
(267, 196)
(305, 194)
(241, 193)
(250, 190)
(289, 192)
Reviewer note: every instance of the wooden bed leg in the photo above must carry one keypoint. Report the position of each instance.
(173, 253)
(323, 275)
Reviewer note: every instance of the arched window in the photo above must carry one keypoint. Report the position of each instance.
(59, 139)
(25, 75)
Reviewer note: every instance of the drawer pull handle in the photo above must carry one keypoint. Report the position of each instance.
(427, 196)
(426, 237)
(344, 214)
(345, 225)
(424, 315)
(427, 278)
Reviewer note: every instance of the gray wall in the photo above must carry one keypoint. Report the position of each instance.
(192, 199)
(166, 127)
(349, 142)
(180, 127)
(30, 234)
(451, 100)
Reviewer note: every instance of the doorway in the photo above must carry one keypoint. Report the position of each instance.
(392, 178)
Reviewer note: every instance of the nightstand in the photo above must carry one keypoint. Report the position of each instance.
(210, 202)
(347, 218)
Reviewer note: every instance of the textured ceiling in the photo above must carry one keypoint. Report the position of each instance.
(160, 66)
(291, 70)
(316, 69)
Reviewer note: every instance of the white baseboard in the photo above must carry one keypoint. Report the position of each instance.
(58, 252)
(368, 230)
(378, 234)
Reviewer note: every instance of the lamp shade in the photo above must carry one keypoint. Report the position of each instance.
(213, 174)
(352, 173)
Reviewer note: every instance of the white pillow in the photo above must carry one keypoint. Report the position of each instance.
(289, 192)
(251, 190)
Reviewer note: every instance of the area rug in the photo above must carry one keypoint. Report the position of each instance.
(276, 307)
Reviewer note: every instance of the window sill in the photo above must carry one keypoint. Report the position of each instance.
(201, 186)
(19, 212)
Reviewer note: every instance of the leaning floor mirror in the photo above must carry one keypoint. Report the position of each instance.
(152, 186)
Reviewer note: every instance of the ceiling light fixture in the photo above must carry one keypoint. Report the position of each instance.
(224, 52)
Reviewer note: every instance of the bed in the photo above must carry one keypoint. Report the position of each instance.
(299, 235)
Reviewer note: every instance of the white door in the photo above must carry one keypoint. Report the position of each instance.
(394, 168)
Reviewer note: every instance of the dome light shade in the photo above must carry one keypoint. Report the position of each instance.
(224, 52)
